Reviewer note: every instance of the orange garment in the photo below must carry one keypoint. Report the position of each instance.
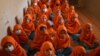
(52, 36)
(18, 50)
(87, 36)
(65, 7)
(57, 6)
(43, 19)
(72, 23)
(22, 37)
(62, 42)
(47, 11)
(95, 52)
(27, 24)
(78, 51)
(40, 37)
(36, 8)
(29, 11)
(45, 47)
(58, 19)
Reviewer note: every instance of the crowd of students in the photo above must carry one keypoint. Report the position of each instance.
(49, 28)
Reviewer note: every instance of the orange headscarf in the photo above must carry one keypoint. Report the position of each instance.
(86, 35)
(65, 7)
(56, 6)
(36, 8)
(46, 46)
(22, 38)
(40, 37)
(58, 19)
(43, 20)
(48, 11)
(95, 52)
(78, 51)
(29, 11)
(28, 26)
(72, 23)
(62, 42)
(18, 50)
(52, 36)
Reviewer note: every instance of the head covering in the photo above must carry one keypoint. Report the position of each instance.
(40, 37)
(72, 23)
(63, 42)
(43, 19)
(58, 19)
(18, 50)
(65, 7)
(78, 51)
(46, 46)
(20, 37)
(86, 35)
(95, 52)
(28, 24)
(52, 36)
(45, 10)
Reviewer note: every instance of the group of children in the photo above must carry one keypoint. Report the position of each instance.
(49, 28)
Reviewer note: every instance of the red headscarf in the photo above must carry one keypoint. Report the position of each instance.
(47, 12)
(22, 37)
(62, 42)
(86, 35)
(27, 24)
(72, 23)
(95, 52)
(65, 7)
(46, 46)
(78, 51)
(18, 50)
(40, 37)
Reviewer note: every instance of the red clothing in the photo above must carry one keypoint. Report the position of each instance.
(65, 8)
(95, 52)
(18, 50)
(28, 26)
(46, 46)
(40, 37)
(58, 20)
(47, 12)
(22, 37)
(62, 42)
(72, 23)
(87, 36)
(78, 51)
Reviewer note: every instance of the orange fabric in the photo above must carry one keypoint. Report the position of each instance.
(56, 6)
(78, 51)
(62, 42)
(58, 20)
(95, 52)
(65, 7)
(30, 11)
(45, 46)
(22, 38)
(40, 37)
(47, 13)
(86, 35)
(18, 51)
(72, 23)
(43, 20)
(52, 36)
(28, 27)
(36, 9)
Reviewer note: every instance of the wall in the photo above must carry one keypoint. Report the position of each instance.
(92, 7)
(8, 10)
